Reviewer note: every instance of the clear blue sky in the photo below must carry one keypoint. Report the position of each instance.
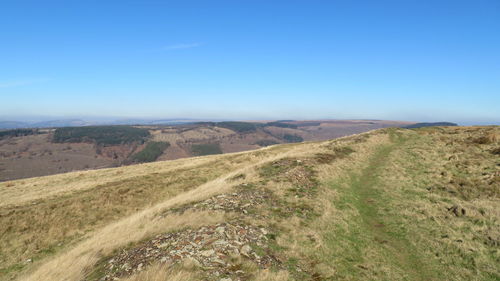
(243, 59)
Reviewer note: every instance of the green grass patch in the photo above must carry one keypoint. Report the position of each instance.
(373, 226)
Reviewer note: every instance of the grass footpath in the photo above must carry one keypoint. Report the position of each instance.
(378, 245)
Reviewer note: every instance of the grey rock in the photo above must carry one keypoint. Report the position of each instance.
(220, 230)
(246, 250)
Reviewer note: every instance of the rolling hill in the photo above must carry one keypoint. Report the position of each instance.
(389, 204)
(28, 153)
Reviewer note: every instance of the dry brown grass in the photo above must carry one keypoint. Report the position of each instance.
(162, 273)
(73, 263)
(442, 243)
(64, 184)
(489, 137)
(189, 272)
(457, 224)
(46, 225)
(307, 243)
(450, 221)
(327, 238)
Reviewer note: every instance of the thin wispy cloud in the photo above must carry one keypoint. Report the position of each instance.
(181, 46)
(21, 82)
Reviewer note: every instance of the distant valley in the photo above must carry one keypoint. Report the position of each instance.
(28, 153)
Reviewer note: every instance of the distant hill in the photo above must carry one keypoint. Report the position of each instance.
(61, 123)
(44, 124)
(27, 152)
(80, 123)
(13, 125)
(421, 125)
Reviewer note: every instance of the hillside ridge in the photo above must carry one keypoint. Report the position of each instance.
(26, 153)
(398, 204)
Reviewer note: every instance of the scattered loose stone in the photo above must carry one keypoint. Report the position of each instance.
(209, 247)
(240, 202)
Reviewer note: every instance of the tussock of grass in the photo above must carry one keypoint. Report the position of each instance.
(161, 273)
(487, 138)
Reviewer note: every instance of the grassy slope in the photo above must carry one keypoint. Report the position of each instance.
(401, 227)
(389, 205)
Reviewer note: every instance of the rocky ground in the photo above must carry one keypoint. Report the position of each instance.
(217, 249)
(220, 249)
(213, 248)
(242, 201)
